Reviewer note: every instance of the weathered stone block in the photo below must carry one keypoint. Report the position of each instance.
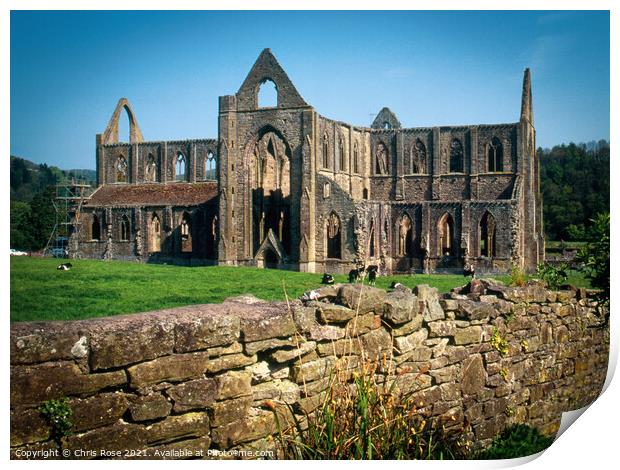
(193, 394)
(313, 370)
(361, 298)
(248, 429)
(174, 368)
(340, 347)
(399, 307)
(36, 384)
(376, 344)
(448, 304)
(183, 426)
(326, 332)
(441, 328)
(304, 318)
(111, 439)
(472, 334)
(267, 323)
(187, 449)
(408, 328)
(228, 362)
(446, 374)
(101, 410)
(283, 391)
(206, 331)
(149, 407)
(470, 310)
(301, 348)
(51, 341)
(473, 375)
(332, 313)
(28, 425)
(228, 411)
(267, 344)
(404, 344)
(125, 341)
(362, 324)
(233, 384)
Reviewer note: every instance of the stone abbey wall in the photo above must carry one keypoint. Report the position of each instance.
(194, 379)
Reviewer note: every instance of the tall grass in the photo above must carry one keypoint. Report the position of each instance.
(365, 419)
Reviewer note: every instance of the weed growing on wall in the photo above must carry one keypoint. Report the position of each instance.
(58, 414)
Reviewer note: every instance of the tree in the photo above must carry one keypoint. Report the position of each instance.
(21, 229)
(43, 217)
(595, 257)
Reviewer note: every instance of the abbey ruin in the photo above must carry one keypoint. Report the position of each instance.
(285, 187)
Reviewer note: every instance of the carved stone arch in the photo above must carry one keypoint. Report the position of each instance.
(265, 68)
(405, 232)
(151, 169)
(487, 229)
(185, 232)
(446, 242)
(110, 135)
(333, 236)
(155, 234)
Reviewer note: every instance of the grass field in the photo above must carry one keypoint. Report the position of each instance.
(97, 288)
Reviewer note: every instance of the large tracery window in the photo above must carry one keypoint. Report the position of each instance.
(456, 156)
(121, 170)
(210, 167)
(495, 156)
(487, 235)
(333, 236)
(179, 172)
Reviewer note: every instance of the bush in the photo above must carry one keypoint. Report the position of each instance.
(595, 255)
(367, 420)
(552, 276)
(518, 277)
(516, 441)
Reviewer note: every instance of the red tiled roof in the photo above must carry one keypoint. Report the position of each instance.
(168, 194)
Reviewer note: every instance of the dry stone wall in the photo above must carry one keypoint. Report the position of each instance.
(187, 382)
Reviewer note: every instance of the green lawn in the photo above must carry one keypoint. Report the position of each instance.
(103, 288)
(97, 288)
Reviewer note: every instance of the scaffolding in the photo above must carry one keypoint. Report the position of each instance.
(70, 195)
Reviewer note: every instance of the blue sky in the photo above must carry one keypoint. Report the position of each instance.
(68, 70)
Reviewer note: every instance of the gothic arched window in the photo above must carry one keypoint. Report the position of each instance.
(124, 235)
(341, 155)
(121, 170)
(405, 236)
(356, 158)
(456, 156)
(495, 156)
(487, 235)
(446, 235)
(333, 236)
(186, 235)
(150, 173)
(210, 167)
(179, 172)
(325, 152)
(155, 235)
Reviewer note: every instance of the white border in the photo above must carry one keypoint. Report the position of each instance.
(590, 443)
